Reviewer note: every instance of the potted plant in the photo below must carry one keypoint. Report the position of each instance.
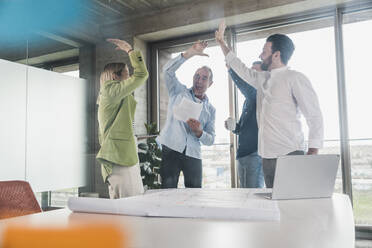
(149, 154)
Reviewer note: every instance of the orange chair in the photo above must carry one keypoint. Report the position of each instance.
(88, 235)
(16, 199)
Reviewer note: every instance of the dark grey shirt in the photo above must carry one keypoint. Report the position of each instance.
(246, 128)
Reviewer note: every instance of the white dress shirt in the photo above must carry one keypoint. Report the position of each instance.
(282, 95)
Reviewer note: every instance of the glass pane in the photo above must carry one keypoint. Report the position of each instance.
(248, 52)
(72, 70)
(72, 73)
(323, 76)
(216, 158)
(320, 70)
(59, 198)
(216, 165)
(358, 88)
(13, 125)
(55, 132)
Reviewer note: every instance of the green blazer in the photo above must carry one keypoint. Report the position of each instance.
(115, 117)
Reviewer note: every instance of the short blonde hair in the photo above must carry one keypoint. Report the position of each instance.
(109, 70)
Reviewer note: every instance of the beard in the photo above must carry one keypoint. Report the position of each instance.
(266, 63)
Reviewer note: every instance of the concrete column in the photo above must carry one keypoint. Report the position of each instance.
(87, 71)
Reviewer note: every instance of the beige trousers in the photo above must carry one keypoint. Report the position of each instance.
(125, 181)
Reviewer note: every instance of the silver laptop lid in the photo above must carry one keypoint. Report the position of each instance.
(305, 176)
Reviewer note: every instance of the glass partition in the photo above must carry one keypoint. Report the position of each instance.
(47, 114)
(13, 120)
(56, 130)
(43, 128)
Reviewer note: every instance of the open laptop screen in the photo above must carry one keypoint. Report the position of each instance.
(305, 176)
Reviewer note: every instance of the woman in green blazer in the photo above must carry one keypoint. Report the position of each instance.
(118, 153)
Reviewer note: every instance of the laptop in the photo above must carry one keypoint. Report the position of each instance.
(304, 176)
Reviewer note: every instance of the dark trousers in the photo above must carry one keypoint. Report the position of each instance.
(269, 166)
(173, 163)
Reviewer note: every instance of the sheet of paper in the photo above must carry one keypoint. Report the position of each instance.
(187, 109)
(229, 204)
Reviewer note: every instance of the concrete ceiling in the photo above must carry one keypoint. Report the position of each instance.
(89, 28)
(113, 11)
(152, 20)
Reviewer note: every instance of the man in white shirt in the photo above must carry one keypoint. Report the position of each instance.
(282, 95)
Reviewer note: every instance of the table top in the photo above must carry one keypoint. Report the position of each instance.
(317, 223)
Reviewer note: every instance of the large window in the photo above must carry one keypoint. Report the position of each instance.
(357, 53)
(69, 70)
(315, 56)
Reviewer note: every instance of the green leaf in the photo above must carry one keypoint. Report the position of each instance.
(150, 159)
(143, 146)
(142, 157)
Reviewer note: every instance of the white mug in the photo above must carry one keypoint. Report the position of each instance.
(230, 124)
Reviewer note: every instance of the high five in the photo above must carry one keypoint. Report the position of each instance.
(282, 95)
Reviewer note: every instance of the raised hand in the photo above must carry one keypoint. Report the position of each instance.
(220, 33)
(196, 49)
(121, 45)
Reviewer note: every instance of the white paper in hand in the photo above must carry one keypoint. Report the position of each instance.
(187, 109)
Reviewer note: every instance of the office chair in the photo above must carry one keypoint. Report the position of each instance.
(16, 199)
